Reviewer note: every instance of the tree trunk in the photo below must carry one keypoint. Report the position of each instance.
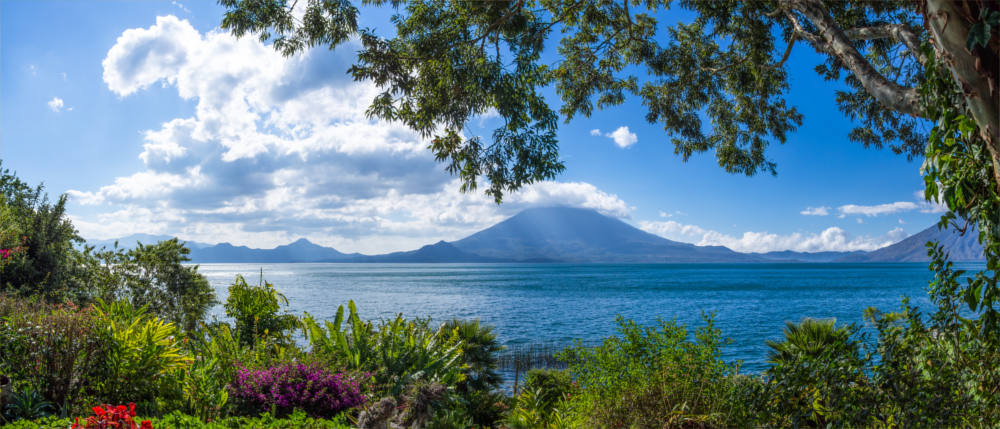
(950, 32)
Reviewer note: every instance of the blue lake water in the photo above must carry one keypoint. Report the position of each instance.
(557, 303)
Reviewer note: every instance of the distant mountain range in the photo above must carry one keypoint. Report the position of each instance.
(563, 234)
(914, 248)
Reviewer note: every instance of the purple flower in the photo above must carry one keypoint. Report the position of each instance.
(296, 386)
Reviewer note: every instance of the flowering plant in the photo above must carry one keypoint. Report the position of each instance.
(106, 417)
(284, 388)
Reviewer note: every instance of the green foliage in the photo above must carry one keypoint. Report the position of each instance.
(256, 312)
(540, 403)
(145, 357)
(479, 354)
(396, 352)
(652, 377)
(811, 338)
(533, 410)
(49, 266)
(57, 351)
(551, 385)
(818, 378)
(154, 276)
(447, 63)
(26, 404)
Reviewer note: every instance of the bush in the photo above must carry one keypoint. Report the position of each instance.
(653, 377)
(145, 360)
(47, 265)
(818, 377)
(293, 386)
(255, 310)
(396, 352)
(154, 276)
(57, 351)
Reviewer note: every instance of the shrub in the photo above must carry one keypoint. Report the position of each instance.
(155, 276)
(54, 350)
(48, 265)
(819, 377)
(396, 352)
(552, 384)
(292, 386)
(255, 310)
(145, 359)
(652, 377)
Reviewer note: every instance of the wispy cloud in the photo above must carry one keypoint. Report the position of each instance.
(816, 211)
(180, 6)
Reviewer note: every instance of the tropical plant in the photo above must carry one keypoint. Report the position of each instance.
(255, 310)
(288, 387)
(480, 349)
(809, 339)
(819, 377)
(396, 352)
(145, 358)
(27, 404)
(534, 409)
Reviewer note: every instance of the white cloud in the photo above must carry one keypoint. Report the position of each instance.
(621, 136)
(279, 148)
(816, 211)
(830, 239)
(880, 209)
(143, 56)
(55, 104)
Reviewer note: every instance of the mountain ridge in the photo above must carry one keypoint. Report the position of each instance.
(566, 234)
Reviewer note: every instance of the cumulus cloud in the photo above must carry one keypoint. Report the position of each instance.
(621, 136)
(278, 148)
(816, 211)
(55, 104)
(830, 239)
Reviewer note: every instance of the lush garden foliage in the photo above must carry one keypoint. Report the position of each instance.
(129, 327)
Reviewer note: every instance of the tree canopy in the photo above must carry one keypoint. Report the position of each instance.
(917, 76)
(451, 61)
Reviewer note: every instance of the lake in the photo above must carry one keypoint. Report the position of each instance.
(557, 303)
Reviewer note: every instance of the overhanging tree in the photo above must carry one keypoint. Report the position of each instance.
(903, 63)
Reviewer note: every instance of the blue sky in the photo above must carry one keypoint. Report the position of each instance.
(155, 121)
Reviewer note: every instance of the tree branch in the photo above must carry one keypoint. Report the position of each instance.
(836, 43)
(900, 32)
(788, 50)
